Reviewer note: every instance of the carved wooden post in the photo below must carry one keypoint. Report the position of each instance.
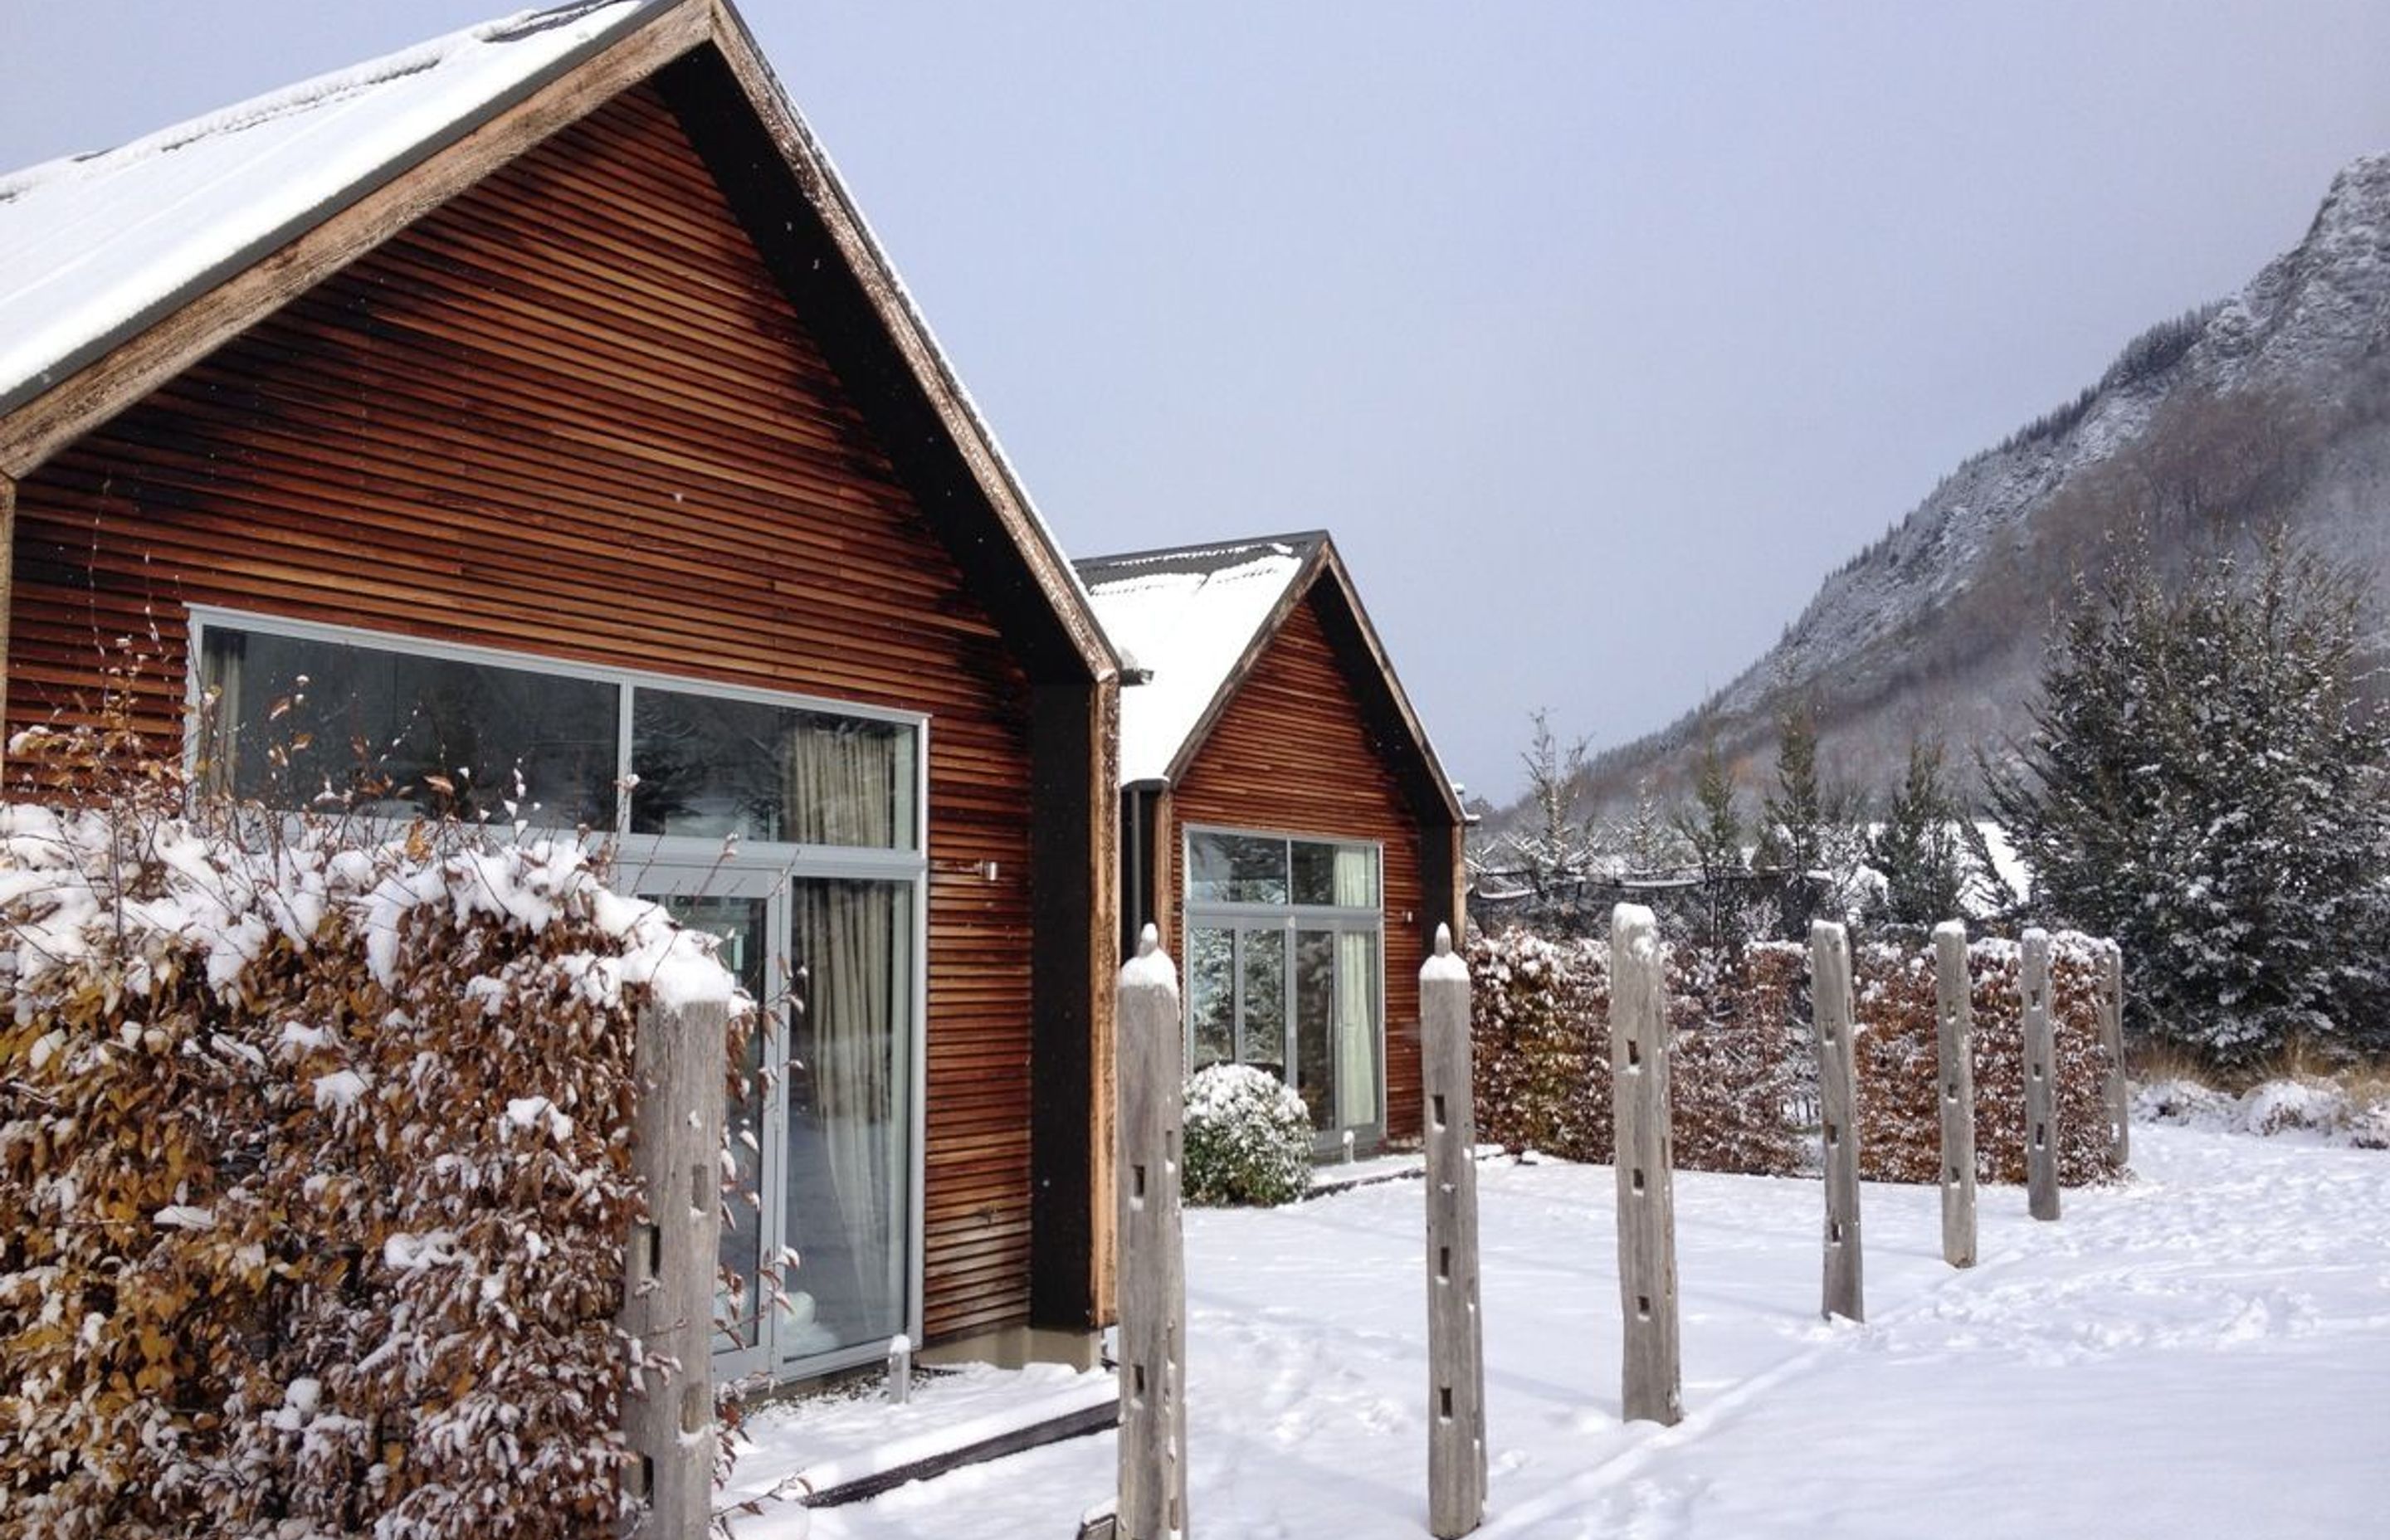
(2112, 1035)
(1830, 1006)
(2040, 1080)
(1955, 1009)
(1647, 1208)
(668, 1283)
(1152, 1261)
(1455, 1352)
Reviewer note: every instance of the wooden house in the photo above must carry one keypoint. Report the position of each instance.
(1285, 822)
(538, 396)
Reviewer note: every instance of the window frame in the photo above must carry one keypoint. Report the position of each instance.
(653, 865)
(1239, 917)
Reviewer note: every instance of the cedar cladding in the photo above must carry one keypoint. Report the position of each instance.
(1293, 754)
(570, 414)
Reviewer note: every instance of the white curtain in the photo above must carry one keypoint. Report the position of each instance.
(1356, 993)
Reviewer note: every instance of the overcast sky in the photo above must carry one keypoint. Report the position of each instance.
(1598, 334)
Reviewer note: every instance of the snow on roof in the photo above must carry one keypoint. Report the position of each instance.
(95, 247)
(1187, 616)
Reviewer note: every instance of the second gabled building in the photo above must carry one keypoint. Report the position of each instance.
(1285, 823)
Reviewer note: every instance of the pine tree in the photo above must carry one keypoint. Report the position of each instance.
(2202, 782)
(1711, 827)
(1559, 849)
(1648, 843)
(1713, 831)
(1926, 848)
(1809, 832)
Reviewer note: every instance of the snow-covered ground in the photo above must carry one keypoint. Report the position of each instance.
(2205, 1351)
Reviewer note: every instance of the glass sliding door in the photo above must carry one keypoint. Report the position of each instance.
(848, 1201)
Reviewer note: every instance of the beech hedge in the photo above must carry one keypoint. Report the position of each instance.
(313, 1146)
(1744, 1067)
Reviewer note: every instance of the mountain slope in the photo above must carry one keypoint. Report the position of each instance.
(2270, 406)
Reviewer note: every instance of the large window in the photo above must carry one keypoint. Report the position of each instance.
(818, 901)
(1285, 971)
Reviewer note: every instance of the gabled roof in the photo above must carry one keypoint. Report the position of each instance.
(1197, 619)
(1188, 618)
(119, 268)
(94, 247)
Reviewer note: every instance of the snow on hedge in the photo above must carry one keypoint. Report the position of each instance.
(316, 1146)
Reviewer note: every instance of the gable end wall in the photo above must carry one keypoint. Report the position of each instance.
(570, 414)
(1293, 753)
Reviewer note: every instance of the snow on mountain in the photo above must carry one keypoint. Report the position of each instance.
(2270, 405)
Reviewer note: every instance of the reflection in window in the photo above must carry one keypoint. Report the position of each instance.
(740, 925)
(1314, 1000)
(711, 766)
(850, 1114)
(300, 721)
(1262, 982)
(1211, 998)
(1235, 868)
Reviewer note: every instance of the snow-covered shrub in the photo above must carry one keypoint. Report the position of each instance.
(1540, 1031)
(1248, 1139)
(313, 1151)
(2354, 1112)
(1898, 1059)
(1740, 1055)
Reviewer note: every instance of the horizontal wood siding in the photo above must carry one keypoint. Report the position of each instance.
(1293, 753)
(570, 413)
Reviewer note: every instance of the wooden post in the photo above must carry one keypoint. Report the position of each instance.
(668, 1286)
(2040, 1081)
(2112, 1035)
(1955, 1007)
(1152, 1260)
(1456, 1351)
(1829, 1007)
(1647, 1207)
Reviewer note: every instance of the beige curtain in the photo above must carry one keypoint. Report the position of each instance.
(1356, 994)
(842, 785)
(846, 783)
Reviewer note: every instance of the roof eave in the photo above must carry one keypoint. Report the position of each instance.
(106, 372)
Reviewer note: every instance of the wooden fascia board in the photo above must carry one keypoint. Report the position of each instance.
(340, 234)
(894, 308)
(8, 596)
(1298, 589)
(1333, 567)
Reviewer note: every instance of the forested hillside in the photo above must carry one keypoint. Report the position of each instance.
(2271, 407)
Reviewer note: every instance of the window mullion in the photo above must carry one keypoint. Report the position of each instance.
(623, 708)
